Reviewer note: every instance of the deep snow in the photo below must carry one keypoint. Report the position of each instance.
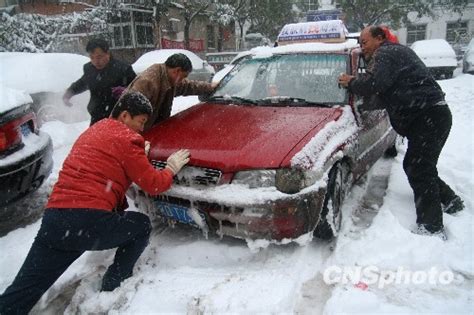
(182, 272)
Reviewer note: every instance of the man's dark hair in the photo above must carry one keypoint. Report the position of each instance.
(179, 60)
(97, 43)
(376, 30)
(135, 103)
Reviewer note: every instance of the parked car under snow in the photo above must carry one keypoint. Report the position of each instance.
(438, 56)
(25, 152)
(45, 77)
(275, 149)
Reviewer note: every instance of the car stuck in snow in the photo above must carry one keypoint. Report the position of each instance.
(277, 146)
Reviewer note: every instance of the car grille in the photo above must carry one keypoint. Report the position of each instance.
(192, 175)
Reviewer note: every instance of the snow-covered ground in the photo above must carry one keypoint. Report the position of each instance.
(182, 272)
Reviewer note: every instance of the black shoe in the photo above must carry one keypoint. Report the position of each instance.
(454, 206)
(423, 229)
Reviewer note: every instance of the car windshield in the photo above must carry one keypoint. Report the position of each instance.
(290, 80)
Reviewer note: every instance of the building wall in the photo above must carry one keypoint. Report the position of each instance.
(436, 28)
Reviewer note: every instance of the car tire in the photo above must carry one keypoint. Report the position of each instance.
(338, 183)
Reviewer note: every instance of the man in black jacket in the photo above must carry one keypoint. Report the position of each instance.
(101, 76)
(417, 109)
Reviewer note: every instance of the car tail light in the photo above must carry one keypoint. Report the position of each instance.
(10, 132)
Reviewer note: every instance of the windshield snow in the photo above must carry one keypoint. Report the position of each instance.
(300, 79)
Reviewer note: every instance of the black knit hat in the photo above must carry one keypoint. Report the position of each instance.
(135, 103)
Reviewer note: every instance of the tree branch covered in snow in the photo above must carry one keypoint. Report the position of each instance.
(38, 33)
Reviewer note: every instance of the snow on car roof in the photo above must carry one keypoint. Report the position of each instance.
(40, 72)
(12, 98)
(433, 48)
(160, 56)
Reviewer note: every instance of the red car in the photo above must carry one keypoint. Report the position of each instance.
(275, 149)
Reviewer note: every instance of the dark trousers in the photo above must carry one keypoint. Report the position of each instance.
(63, 236)
(426, 138)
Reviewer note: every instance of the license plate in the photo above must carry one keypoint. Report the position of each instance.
(25, 130)
(176, 212)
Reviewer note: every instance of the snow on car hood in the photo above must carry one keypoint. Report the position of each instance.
(236, 137)
(11, 98)
(334, 134)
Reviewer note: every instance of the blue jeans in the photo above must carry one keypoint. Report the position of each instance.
(63, 236)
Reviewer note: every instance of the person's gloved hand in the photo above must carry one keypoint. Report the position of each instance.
(177, 160)
(67, 98)
(147, 147)
(117, 91)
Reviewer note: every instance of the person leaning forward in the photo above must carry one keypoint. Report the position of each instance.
(417, 110)
(81, 213)
(101, 76)
(160, 83)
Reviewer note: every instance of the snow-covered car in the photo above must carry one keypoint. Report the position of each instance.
(202, 71)
(468, 59)
(274, 149)
(438, 56)
(45, 77)
(25, 152)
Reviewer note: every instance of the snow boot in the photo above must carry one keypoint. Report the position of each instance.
(423, 229)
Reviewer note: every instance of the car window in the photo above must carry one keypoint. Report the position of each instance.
(310, 77)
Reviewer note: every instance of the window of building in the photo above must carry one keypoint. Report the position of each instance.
(132, 29)
(211, 40)
(456, 31)
(416, 32)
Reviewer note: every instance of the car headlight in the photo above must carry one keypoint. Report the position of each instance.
(255, 178)
(292, 180)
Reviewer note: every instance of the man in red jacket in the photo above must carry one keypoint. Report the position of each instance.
(81, 213)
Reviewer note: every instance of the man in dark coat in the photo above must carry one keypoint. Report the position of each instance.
(101, 76)
(417, 109)
(83, 212)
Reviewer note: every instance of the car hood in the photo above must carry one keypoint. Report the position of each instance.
(238, 137)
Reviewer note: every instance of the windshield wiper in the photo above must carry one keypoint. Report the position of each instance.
(275, 100)
(233, 98)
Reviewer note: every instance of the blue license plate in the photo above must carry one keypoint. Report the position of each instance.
(25, 130)
(176, 212)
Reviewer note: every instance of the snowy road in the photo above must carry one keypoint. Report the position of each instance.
(181, 272)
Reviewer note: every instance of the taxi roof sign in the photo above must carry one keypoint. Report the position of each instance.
(332, 31)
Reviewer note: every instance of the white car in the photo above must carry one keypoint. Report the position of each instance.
(468, 59)
(437, 55)
(202, 71)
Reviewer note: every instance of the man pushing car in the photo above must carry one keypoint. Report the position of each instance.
(85, 209)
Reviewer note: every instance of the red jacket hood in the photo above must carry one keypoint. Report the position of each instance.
(238, 137)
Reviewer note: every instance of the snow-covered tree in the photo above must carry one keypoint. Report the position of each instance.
(38, 33)
(394, 12)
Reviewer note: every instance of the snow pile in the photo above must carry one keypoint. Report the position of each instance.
(40, 72)
(11, 98)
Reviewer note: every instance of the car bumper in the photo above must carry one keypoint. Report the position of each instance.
(280, 216)
(25, 170)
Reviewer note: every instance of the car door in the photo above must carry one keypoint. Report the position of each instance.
(374, 130)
